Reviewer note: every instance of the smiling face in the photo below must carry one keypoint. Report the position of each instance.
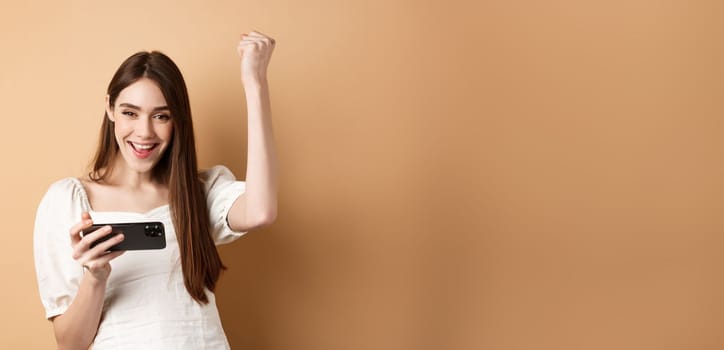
(143, 125)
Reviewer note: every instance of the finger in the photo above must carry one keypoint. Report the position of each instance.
(257, 34)
(246, 46)
(84, 244)
(266, 40)
(249, 46)
(85, 223)
(253, 44)
(263, 37)
(95, 256)
(253, 40)
(103, 247)
(99, 250)
(81, 246)
(246, 42)
(108, 257)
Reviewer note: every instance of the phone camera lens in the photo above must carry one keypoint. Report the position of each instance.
(154, 230)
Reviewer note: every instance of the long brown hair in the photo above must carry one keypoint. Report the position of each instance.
(177, 168)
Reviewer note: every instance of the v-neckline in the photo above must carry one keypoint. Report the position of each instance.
(86, 202)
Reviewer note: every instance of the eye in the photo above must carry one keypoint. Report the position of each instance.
(128, 113)
(162, 117)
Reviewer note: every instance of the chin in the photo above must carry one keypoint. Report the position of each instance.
(139, 165)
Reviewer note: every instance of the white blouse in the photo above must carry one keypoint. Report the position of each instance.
(146, 305)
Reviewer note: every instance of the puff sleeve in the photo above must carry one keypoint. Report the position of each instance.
(222, 189)
(57, 273)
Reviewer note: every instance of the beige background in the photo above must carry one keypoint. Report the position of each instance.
(508, 175)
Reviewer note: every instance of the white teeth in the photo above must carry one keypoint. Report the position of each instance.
(143, 147)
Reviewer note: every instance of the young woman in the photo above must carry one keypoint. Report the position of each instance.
(145, 169)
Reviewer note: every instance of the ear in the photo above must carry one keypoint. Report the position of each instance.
(109, 109)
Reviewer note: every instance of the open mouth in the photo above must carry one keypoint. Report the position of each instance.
(142, 150)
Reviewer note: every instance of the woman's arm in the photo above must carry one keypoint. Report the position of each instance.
(77, 326)
(257, 206)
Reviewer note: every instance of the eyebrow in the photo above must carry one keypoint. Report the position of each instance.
(159, 108)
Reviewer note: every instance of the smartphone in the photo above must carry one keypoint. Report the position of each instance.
(137, 235)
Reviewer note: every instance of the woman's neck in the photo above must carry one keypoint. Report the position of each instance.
(119, 174)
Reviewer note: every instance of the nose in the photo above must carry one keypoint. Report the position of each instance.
(144, 128)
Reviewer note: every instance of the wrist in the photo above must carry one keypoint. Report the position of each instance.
(94, 281)
(255, 83)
